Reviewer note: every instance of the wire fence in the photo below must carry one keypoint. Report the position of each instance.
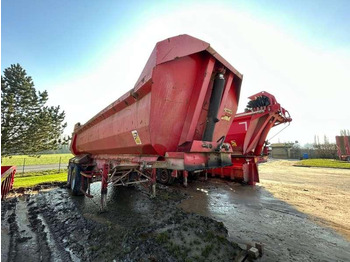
(25, 167)
(40, 163)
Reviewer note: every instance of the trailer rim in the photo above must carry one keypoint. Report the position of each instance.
(164, 176)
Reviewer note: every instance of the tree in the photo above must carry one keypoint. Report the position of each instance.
(28, 125)
(325, 150)
(345, 132)
(295, 151)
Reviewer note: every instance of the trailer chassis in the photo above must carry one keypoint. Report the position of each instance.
(125, 170)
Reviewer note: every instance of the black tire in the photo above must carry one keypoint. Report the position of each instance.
(76, 180)
(193, 175)
(164, 177)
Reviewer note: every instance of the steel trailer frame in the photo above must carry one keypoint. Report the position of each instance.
(7, 179)
(248, 134)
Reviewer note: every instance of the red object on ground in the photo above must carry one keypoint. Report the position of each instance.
(175, 118)
(7, 178)
(343, 147)
(247, 136)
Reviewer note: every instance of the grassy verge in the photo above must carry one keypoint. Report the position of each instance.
(324, 163)
(40, 173)
(33, 160)
(35, 178)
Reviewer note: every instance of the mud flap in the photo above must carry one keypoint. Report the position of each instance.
(69, 175)
(77, 181)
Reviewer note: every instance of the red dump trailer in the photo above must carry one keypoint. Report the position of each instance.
(343, 147)
(247, 136)
(7, 178)
(172, 123)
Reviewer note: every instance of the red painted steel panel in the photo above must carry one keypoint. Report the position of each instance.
(172, 90)
(247, 136)
(7, 179)
(249, 130)
(168, 105)
(198, 95)
(343, 147)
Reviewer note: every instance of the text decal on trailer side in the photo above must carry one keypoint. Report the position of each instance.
(174, 121)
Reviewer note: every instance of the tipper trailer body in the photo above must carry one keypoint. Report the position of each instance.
(174, 121)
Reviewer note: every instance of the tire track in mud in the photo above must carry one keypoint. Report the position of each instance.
(13, 232)
(48, 246)
(54, 226)
(42, 247)
(24, 234)
(29, 236)
(68, 228)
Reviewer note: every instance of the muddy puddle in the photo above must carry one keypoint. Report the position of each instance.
(59, 227)
(211, 220)
(252, 214)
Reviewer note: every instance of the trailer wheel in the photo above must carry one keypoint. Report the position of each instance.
(76, 181)
(193, 175)
(164, 176)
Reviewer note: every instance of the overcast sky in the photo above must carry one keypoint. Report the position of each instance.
(88, 53)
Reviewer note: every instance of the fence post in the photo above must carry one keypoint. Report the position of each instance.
(59, 166)
(24, 163)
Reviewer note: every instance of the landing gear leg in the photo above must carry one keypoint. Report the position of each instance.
(104, 189)
(185, 174)
(154, 182)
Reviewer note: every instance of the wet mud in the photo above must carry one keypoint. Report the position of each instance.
(55, 226)
(252, 214)
(214, 220)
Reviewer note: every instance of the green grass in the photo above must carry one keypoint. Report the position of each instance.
(324, 163)
(32, 180)
(30, 160)
(40, 173)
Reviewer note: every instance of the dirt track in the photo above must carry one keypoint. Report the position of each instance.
(201, 223)
(322, 193)
(266, 213)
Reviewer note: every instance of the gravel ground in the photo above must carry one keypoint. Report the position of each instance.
(321, 193)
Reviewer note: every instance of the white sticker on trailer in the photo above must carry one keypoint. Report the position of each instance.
(136, 137)
(245, 125)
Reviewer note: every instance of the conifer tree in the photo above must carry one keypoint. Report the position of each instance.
(28, 125)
